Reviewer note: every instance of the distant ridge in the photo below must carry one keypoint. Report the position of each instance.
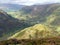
(10, 7)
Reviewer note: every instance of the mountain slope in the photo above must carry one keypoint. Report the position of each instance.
(36, 31)
(37, 13)
(9, 25)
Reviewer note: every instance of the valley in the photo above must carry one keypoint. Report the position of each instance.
(36, 23)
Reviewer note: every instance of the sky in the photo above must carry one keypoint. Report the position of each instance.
(29, 2)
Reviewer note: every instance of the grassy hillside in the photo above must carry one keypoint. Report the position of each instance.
(37, 31)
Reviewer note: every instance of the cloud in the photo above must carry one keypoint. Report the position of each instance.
(4, 1)
(29, 2)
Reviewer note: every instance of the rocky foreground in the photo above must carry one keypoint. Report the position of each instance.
(42, 41)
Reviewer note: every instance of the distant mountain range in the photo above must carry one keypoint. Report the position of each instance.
(11, 7)
(39, 13)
